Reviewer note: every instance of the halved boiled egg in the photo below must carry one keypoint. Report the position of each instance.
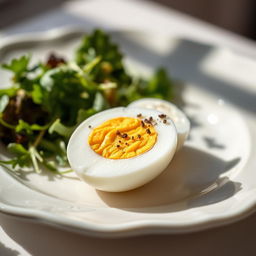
(122, 148)
(180, 120)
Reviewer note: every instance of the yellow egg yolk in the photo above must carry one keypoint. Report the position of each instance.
(122, 137)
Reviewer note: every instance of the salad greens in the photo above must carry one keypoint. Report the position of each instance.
(49, 100)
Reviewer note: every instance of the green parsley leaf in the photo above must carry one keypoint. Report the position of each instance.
(18, 66)
(29, 128)
(160, 85)
(110, 66)
(17, 149)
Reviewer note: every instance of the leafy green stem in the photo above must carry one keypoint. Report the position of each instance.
(5, 124)
(38, 138)
(32, 152)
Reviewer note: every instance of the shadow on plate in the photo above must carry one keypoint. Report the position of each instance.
(6, 251)
(213, 143)
(184, 184)
(184, 62)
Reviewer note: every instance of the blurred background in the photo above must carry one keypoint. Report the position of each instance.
(238, 16)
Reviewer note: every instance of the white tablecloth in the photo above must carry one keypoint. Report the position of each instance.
(22, 237)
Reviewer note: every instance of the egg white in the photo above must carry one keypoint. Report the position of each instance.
(116, 175)
(179, 118)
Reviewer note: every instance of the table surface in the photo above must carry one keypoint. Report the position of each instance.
(20, 237)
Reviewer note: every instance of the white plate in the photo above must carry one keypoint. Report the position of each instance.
(210, 182)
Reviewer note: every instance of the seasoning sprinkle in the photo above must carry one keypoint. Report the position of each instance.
(139, 136)
(151, 119)
(118, 133)
(164, 121)
(90, 126)
(139, 115)
(142, 124)
(162, 116)
(124, 135)
(118, 146)
(132, 137)
(148, 131)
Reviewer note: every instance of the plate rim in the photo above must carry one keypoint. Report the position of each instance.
(109, 230)
(135, 228)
